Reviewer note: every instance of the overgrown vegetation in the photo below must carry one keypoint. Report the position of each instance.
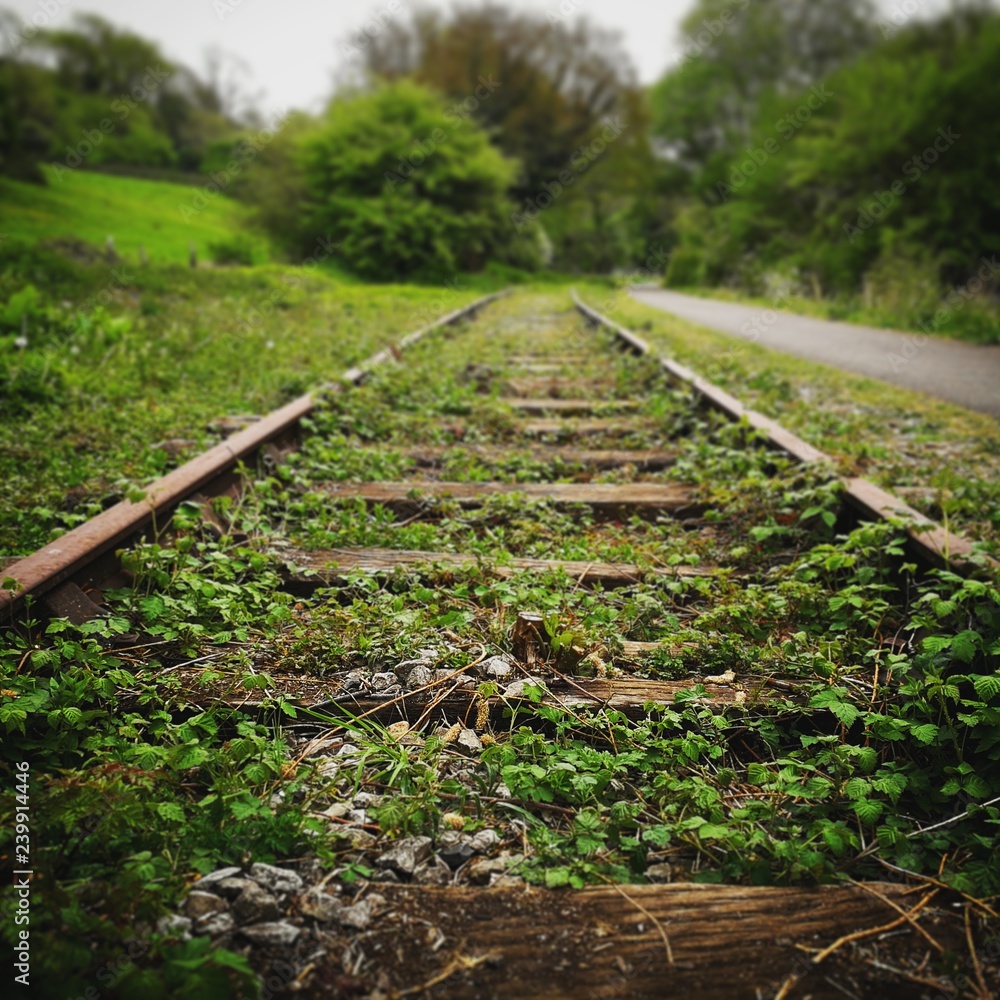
(878, 743)
(112, 374)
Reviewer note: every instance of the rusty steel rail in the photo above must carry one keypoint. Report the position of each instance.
(67, 555)
(931, 541)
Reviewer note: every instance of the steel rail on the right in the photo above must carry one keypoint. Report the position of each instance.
(931, 541)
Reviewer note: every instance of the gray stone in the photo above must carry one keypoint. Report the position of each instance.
(278, 934)
(433, 872)
(361, 840)
(446, 675)
(255, 904)
(203, 904)
(482, 872)
(449, 838)
(382, 681)
(388, 876)
(217, 876)
(359, 816)
(420, 676)
(406, 856)
(516, 688)
(217, 925)
(365, 800)
(468, 740)
(321, 905)
(455, 855)
(659, 873)
(280, 881)
(496, 668)
(404, 668)
(231, 887)
(359, 916)
(175, 924)
(481, 842)
(338, 810)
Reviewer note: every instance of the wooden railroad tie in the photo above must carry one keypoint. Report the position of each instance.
(605, 499)
(570, 407)
(326, 566)
(646, 460)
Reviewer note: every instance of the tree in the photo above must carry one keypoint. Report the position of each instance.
(552, 86)
(405, 189)
(736, 53)
(889, 189)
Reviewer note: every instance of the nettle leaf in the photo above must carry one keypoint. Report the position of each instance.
(834, 700)
(936, 643)
(892, 785)
(245, 808)
(658, 835)
(987, 687)
(556, 877)
(714, 831)
(857, 788)
(868, 810)
(837, 837)
(976, 787)
(965, 644)
(926, 733)
(171, 811)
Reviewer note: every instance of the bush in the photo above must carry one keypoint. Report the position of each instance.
(408, 189)
(239, 248)
(685, 268)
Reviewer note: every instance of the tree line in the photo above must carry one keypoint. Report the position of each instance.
(827, 150)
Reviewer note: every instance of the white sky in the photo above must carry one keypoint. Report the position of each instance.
(293, 47)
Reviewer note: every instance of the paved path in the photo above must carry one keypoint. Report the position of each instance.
(964, 373)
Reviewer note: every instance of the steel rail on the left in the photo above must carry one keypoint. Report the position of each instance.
(208, 473)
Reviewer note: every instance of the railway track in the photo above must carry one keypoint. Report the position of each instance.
(570, 656)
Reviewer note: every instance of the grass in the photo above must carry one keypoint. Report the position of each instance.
(92, 206)
(172, 352)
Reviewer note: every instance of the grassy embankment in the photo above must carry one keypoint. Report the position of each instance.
(93, 206)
